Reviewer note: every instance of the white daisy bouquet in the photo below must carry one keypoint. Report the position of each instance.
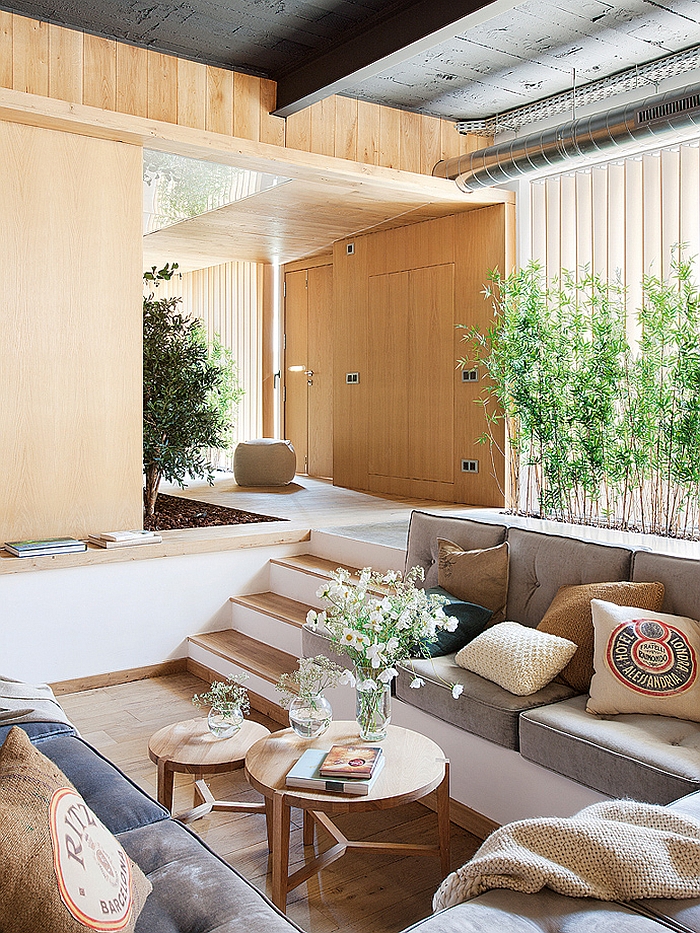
(379, 621)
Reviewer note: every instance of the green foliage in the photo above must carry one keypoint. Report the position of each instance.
(188, 393)
(224, 695)
(600, 430)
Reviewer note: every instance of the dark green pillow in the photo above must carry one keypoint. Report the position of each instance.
(472, 620)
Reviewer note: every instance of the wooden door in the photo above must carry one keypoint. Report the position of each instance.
(309, 368)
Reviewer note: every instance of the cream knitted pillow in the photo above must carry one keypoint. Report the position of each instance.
(522, 660)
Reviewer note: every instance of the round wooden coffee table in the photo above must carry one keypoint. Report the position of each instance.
(190, 748)
(414, 767)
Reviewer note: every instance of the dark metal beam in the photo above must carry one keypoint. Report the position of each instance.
(399, 36)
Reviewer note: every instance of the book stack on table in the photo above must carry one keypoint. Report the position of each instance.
(43, 547)
(343, 769)
(111, 539)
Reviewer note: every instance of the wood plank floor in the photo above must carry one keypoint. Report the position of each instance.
(373, 894)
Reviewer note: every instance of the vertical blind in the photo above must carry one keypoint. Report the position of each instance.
(619, 219)
(228, 299)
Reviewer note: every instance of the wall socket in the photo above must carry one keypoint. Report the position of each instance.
(350, 249)
(352, 379)
(470, 466)
(470, 375)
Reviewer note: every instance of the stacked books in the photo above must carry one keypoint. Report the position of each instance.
(41, 547)
(111, 539)
(344, 769)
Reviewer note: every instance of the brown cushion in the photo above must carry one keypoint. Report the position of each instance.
(569, 616)
(61, 870)
(479, 576)
(645, 662)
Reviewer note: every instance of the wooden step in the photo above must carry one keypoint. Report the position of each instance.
(314, 566)
(276, 606)
(266, 661)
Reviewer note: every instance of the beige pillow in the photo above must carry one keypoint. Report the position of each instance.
(479, 576)
(61, 870)
(645, 662)
(519, 659)
(569, 616)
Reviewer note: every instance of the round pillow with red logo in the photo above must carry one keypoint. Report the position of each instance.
(645, 662)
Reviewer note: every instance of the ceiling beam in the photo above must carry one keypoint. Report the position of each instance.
(398, 37)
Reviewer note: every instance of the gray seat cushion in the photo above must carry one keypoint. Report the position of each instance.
(484, 708)
(650, 758)
(512, 912)
(541, 563)
(193, 889)
(424, 530)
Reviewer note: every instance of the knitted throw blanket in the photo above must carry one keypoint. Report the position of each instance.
(20, 702)
(617, 850)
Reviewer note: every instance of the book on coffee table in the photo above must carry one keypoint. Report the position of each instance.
(351, 761)
(306, 773)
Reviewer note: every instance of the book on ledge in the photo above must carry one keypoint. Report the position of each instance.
(306, 773)
(351, 761)
(111, 539)
(41, 547)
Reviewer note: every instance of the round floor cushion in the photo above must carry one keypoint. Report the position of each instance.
(265, 461)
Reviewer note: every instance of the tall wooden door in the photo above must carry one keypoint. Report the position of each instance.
(308, 412)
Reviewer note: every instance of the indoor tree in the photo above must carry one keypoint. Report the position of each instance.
(189, 392)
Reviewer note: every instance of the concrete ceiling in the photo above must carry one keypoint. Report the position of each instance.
(459, 60)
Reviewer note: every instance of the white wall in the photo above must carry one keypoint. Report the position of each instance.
(60, 624)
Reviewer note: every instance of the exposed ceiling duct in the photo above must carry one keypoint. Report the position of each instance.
(645, 119)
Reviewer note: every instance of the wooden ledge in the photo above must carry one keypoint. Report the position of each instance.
(175, 544)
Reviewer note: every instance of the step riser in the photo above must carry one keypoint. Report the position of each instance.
(296, 584)
(267, 629)
(224, 667)
(356, 553)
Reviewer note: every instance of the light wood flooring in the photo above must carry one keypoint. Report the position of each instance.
(373, 894)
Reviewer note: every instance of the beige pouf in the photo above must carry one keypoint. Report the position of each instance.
(265, 461)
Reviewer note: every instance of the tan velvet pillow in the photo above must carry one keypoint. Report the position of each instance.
(645, 662)
(569, 616)
(479, 576)
(61, 870)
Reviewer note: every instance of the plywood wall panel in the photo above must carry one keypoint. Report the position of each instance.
(410, 141)
(99, 72)
(191, 94)
(368, 128)
(345, 128)
(5, 49)
(219, 101)
(430, 143)
(390, 137)
(299, 130)
(71, 466)
(272, 128)
(162, 87)
(65, 64)
(30, 56)
(323, 115)
(132, 80)
(246, 106)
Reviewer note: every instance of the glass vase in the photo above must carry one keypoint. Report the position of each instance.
(309, 717)
(225, 721)
(372, 707)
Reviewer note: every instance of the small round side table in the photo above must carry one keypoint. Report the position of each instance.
(189, 748)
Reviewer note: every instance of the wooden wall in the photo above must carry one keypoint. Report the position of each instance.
(53, 61)
(406, 426)
(70, 316)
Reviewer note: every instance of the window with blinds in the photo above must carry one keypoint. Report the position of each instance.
(619, 219)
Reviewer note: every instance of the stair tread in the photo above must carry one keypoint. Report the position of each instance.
(252, 655)
(274, 604)
(309, 563)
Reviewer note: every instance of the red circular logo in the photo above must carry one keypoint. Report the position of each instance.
(652, 658)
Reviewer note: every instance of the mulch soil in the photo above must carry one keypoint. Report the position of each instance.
(178, 512)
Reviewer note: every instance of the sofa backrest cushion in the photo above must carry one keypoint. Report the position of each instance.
(541, 563)
(425, 529)
(680, 577)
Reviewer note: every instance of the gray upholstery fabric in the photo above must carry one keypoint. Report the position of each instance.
(314, 643)
(541, 563)
(650, 758)
(424, 530)
(512, 912)
(193, 889)
(484, 708)
(680, 577)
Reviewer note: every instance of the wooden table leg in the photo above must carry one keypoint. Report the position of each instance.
(443, 815)
(308, 833)
(166, 778)
(281, 815)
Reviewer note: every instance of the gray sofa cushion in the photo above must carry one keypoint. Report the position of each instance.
(423, 532)
(650, 758)
(512, 912)
(193, 889)
(680, 577)
(484, 708)
(541, 563)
